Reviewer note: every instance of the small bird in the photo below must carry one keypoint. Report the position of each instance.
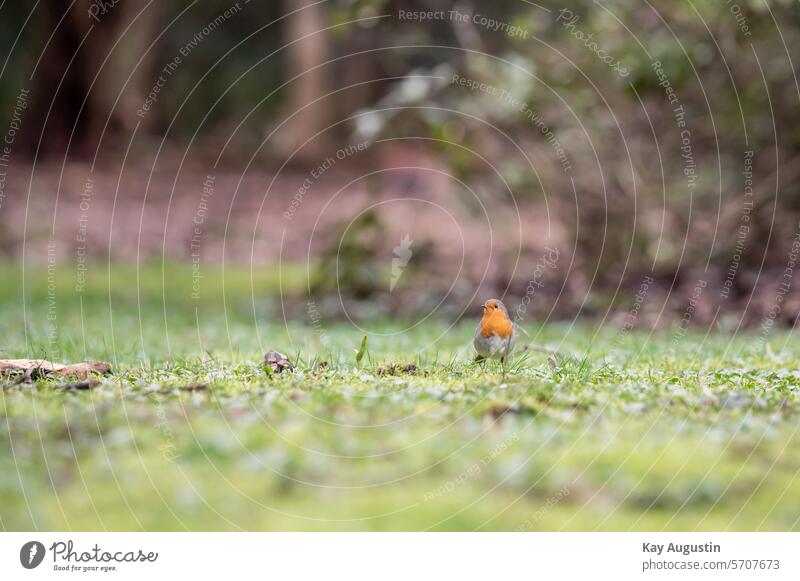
(496, 333)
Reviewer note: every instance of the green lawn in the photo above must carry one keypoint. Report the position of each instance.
(632, 432)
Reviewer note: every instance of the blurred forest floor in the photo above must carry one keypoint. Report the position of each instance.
(344, 232)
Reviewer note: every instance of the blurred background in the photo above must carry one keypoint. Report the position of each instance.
(414, 155)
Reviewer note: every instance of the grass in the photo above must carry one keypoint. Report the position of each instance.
(632, 431)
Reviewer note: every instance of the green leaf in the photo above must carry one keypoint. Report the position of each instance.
(361, 350)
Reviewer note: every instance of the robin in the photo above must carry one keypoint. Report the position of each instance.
(496, 333)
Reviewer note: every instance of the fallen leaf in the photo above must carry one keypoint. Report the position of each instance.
(499, 409)
(33, 369)
(277, 362)
(79, 385)
(195, 387)
(397, 369)
(190, 388)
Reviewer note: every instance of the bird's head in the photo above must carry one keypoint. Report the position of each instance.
(492, 305)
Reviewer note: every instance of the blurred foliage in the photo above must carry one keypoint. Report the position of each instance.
(350, 261)
(16, 58)
(729, 64)
(632, 205)
(233, 57)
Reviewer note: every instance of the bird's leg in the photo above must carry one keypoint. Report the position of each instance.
(503, 367)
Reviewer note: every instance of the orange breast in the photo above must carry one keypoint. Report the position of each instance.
(495, 323)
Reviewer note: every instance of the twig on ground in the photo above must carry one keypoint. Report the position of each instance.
(540, 349)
